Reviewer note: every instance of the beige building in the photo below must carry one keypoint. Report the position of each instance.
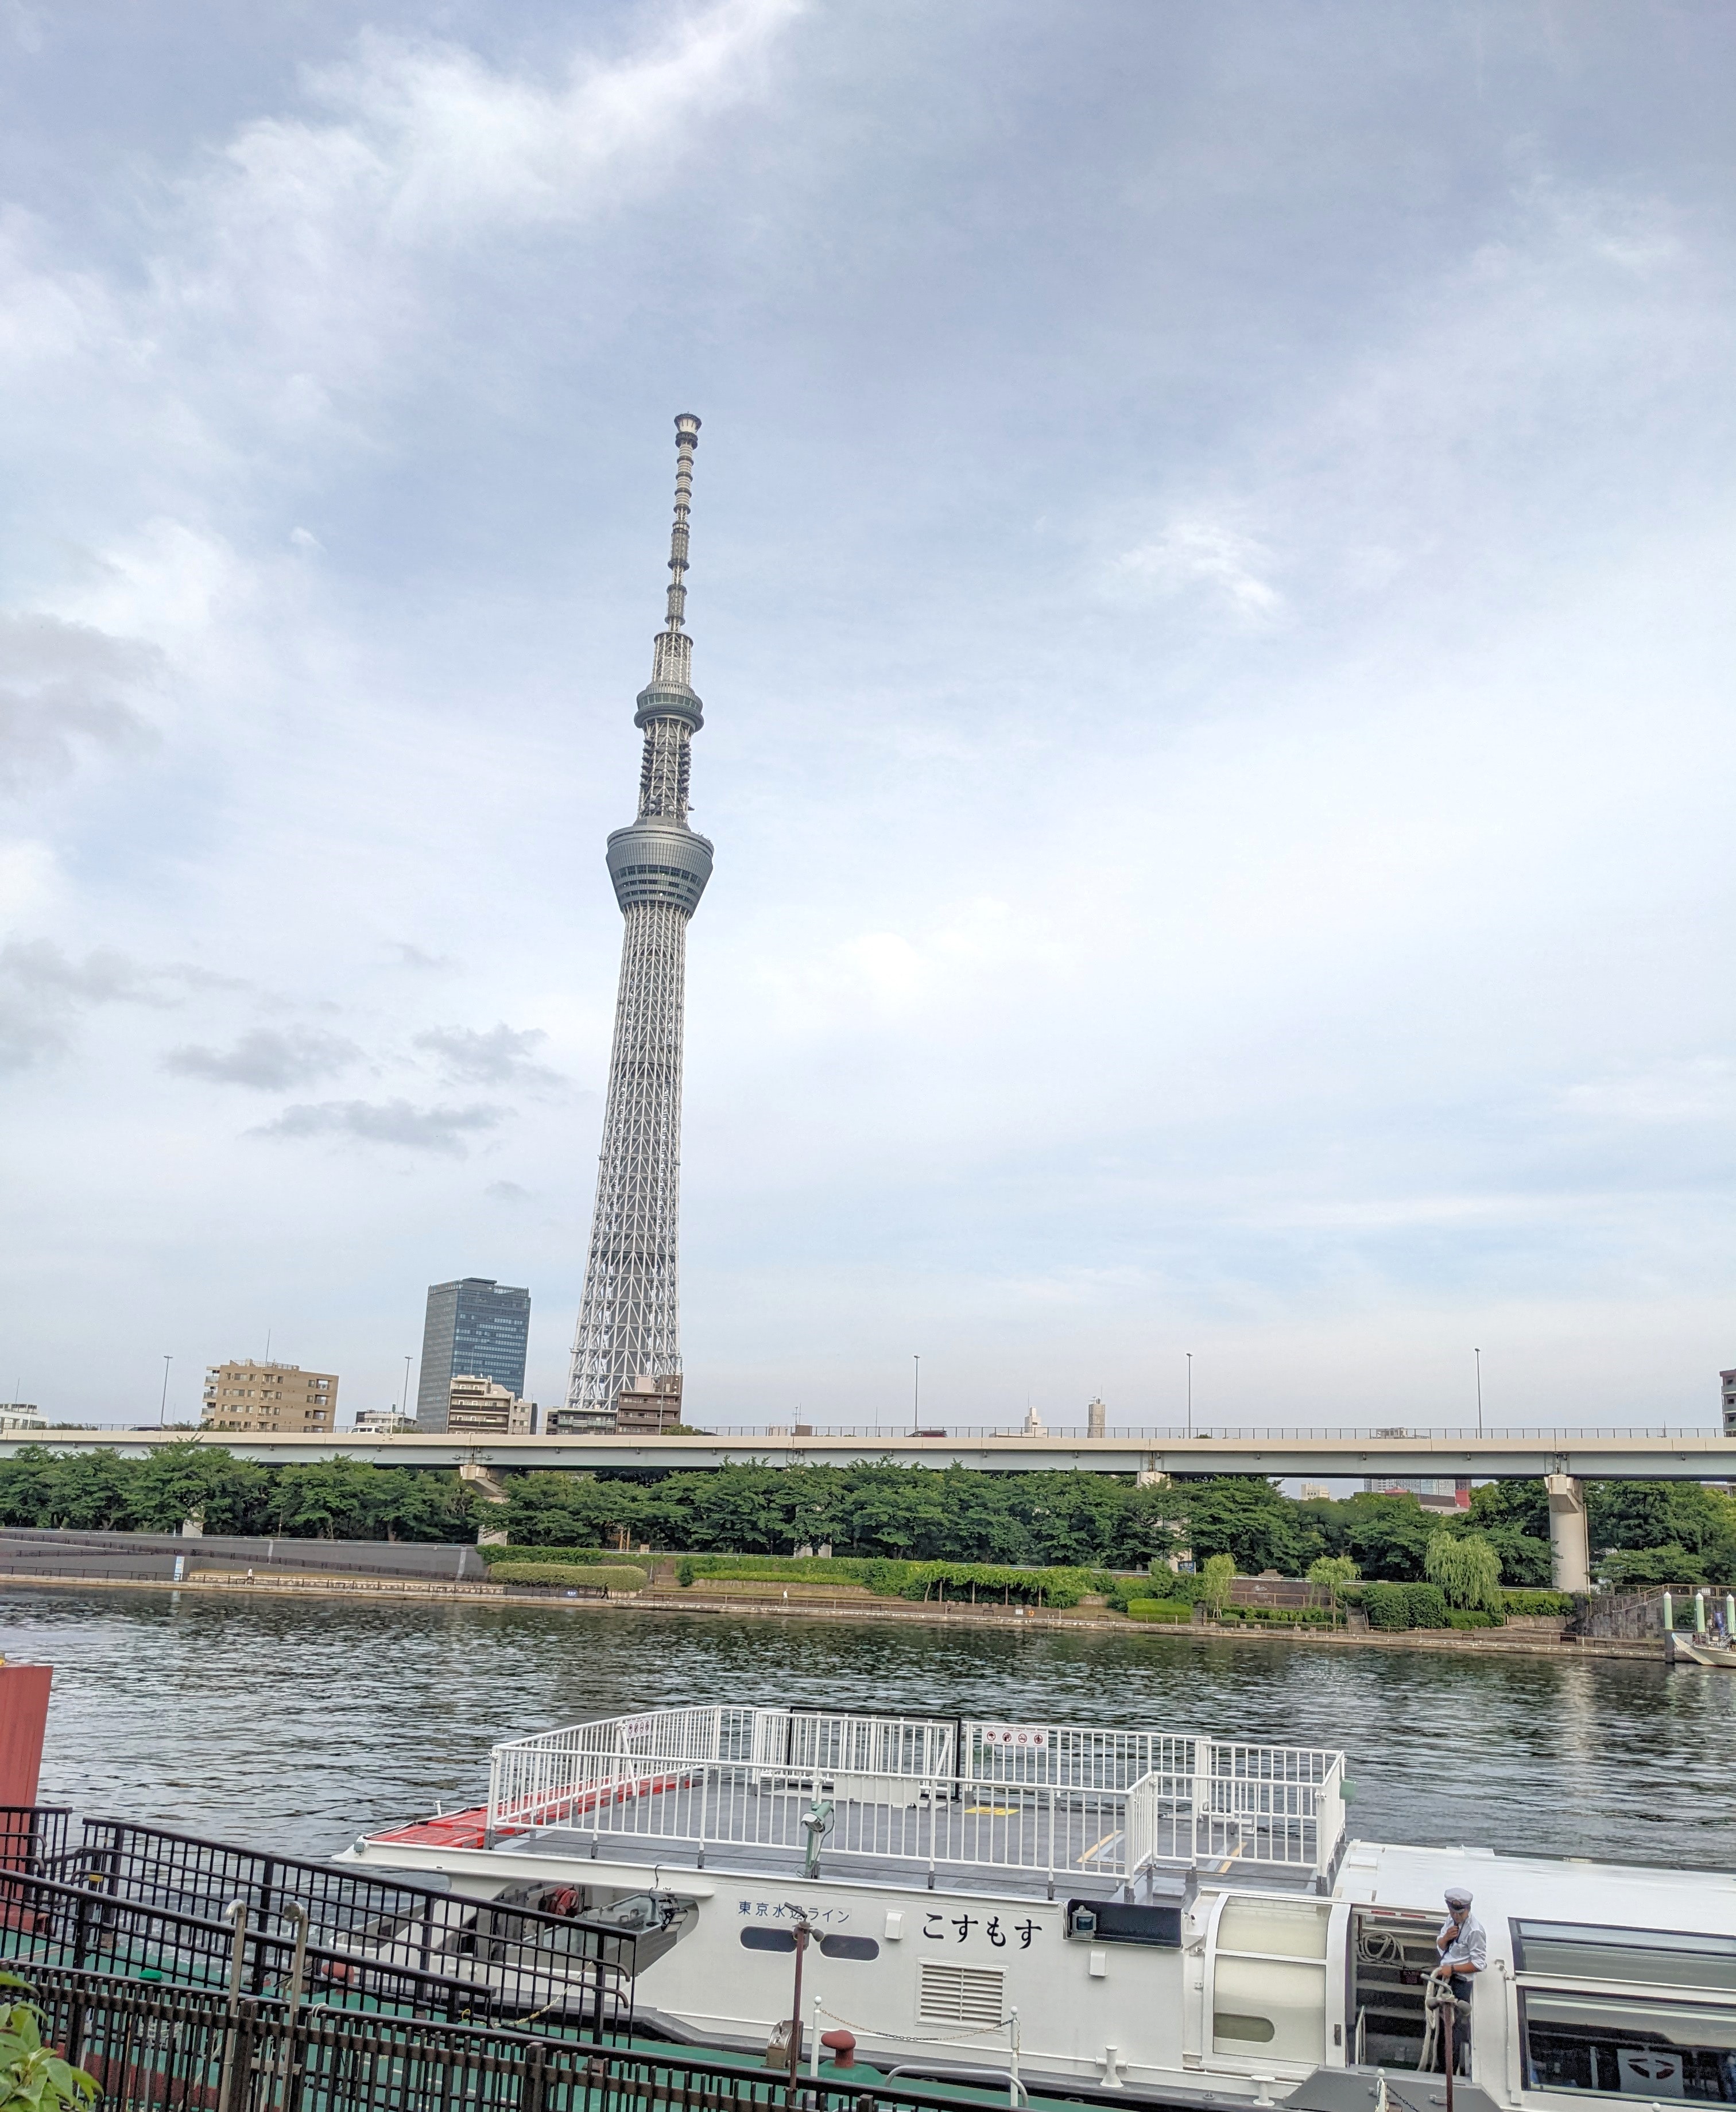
(484, 1406)
(643, 1407)
(647, 1405)
(267, 1397)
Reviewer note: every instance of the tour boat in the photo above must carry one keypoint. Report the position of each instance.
(1085, 1913)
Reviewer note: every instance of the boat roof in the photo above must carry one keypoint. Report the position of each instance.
(1538, 1887)
(1023, 1808)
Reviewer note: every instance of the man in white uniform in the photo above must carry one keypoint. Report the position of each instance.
(1464, 1949)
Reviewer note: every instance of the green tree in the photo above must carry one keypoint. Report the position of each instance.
(192, 1480)
(26, 1483)
(1331, 1573)
(1215, 1580)
(1514, 1517)
(1387, 1535)
(1246, 1517)
(88, 1491)
(1633, 1569)
(1467, 1569)
(1516, 1506)
(579, 1510)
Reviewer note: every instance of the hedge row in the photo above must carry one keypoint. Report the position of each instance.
(496, 1553)
(785, 1568)
(1538, 1602)
(617, 1576)
(1279, 1616)
(1390, 1606)
(904, 1580)
(1160, 1609)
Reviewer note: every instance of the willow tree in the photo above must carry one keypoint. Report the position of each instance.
(1331, 1573)
(1467, 1568)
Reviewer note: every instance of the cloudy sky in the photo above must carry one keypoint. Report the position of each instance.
(1212, 555)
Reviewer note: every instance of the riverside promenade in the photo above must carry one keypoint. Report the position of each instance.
(1524, 1637)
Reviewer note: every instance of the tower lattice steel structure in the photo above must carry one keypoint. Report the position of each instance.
(629, 1334)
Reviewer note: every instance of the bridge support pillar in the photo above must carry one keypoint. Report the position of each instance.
(1569, 1544)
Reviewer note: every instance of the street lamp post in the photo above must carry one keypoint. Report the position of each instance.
(403, 1412)
(916, 1399)
(162, 1410)
(1189, 1354)
(1478, 1355)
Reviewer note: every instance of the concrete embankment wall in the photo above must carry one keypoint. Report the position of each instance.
(43, 1551)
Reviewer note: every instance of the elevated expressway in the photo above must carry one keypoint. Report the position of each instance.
(1564, 1460)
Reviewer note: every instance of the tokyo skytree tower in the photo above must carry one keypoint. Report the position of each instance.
(628, 1333)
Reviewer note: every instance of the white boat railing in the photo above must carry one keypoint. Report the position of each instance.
(1041, 1799)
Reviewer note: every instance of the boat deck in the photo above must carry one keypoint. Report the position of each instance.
(1002, 1843)
(1024, 1811)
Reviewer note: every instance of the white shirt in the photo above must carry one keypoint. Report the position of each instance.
(1465, 1943)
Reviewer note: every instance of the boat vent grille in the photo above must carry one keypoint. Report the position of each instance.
(960, 1994)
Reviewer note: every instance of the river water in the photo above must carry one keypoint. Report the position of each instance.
(295, 1724)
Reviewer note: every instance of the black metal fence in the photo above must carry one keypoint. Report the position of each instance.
(33, 1837)
(426, 1954)
(185, 2049)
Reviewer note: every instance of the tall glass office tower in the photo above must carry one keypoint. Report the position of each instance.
(476, 1326)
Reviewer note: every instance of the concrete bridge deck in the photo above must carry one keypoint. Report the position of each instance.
(1585, 1454)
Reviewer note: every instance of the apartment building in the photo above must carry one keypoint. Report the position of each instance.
(269, 1397)
(483, 1406)
(643, 1407)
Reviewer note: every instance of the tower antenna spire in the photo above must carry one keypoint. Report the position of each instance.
(672, 655)
(626, 1353)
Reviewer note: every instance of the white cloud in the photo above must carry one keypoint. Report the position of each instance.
(305, 259)
(1207, 556)
(42, 989)
(64, 687)
(268, 1059)
(1687, 1089)
(439, 1130)
(406, 956)
(497, 1056)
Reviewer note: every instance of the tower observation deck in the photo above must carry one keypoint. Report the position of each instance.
(629, 1335)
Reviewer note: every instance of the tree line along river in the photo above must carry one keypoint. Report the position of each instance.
(1641, 1532)
(295, 1725)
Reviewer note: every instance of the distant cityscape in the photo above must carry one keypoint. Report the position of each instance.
(470, 1381)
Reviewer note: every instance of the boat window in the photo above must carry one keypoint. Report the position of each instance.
(1650, 1957)
(1253, 2031)
(766, 1939)
(1629, 2048)
(849, 1947)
